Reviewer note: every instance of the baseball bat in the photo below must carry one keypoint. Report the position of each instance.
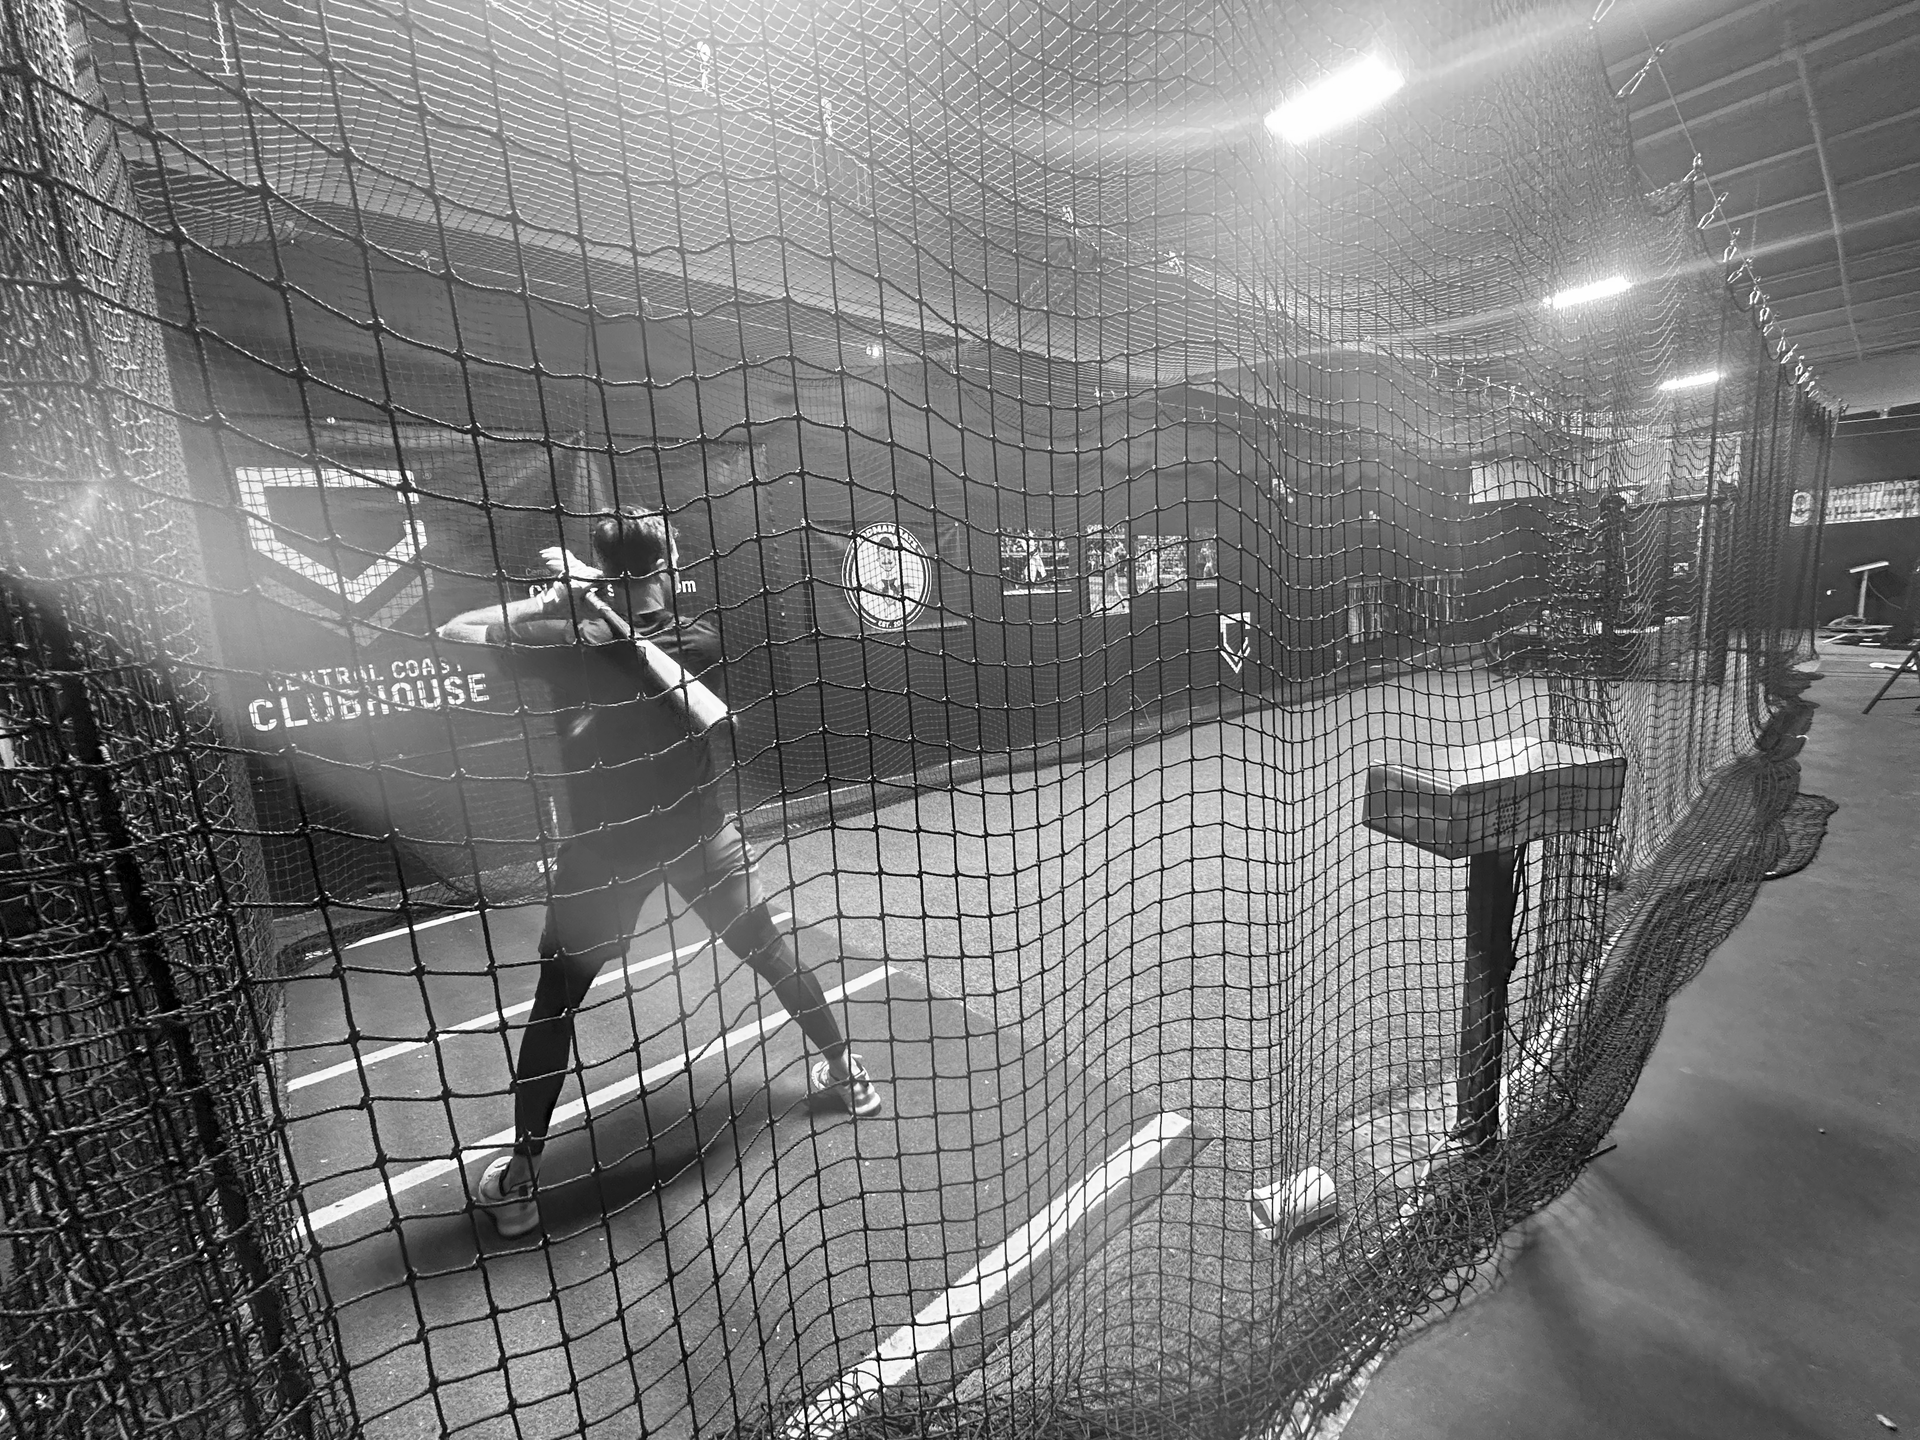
(698, 705)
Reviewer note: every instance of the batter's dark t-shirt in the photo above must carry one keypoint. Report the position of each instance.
(627, 753)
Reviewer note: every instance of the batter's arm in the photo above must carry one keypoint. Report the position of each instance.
(472, 626)
(570, 573)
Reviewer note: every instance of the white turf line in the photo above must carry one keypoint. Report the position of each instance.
(391, 1189)
(417, 925)
(841, 1402)
(493, 1019)
(413, 926)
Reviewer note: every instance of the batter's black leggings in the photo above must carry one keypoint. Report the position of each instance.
(598, 889)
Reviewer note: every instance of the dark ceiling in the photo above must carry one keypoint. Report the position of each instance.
(1806, 118)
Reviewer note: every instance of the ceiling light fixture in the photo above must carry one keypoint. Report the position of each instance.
(1691, 382)
(1586, 294)
(1345, 95)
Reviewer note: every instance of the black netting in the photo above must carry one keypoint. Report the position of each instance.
(1128, 544)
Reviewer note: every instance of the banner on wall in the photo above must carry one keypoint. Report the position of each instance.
(356, 557)
(886, 577)
(1855, 504)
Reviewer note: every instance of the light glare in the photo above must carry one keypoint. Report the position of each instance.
(1689, 382)
(1584, 294)
(1343, 96)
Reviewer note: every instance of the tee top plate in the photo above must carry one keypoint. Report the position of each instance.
(1495, 796)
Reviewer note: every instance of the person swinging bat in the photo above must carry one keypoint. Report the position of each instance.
(634, 722)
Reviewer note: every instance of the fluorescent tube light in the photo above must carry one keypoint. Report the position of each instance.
(1584, 294)
(1344, 96)
(1691, 382)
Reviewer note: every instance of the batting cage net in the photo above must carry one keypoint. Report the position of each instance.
(1252, 663)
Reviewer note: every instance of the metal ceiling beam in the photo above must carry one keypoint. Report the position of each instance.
(1794, 242)
(1773, 292)
(1891, 347)
(1809, 198)
(1823, 193)
(1826, 177)
(1763, 97)
(1822, 360)
(1907, 320)
(1800, 317)
(1758, 253)
(1860, 354)
(1860, 256)
(1687, 37)
(1873, 352)
(1907, 317)
(1723, 176)
(1780, 302)
(1760, 67)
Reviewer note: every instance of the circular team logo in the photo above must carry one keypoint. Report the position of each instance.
(887, 575)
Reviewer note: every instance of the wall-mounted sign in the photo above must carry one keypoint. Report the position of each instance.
(358, 554)
(1854, 504)
(327, 492)
(887, 575)
(330, 695)
(1236, 639)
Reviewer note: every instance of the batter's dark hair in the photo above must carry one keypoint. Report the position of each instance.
(634, 543)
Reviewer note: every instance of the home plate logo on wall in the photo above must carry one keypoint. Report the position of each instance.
(887, 575)
(344, 540)
(1236, 639)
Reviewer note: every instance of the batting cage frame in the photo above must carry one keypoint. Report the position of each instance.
(845, 718)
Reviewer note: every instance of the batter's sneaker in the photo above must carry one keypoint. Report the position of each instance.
(514, 1210)
(857, 1092)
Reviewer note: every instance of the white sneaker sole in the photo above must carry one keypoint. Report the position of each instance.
(511, 1217)
(842, 1090)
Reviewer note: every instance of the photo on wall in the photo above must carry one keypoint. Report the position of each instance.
(1203, 561)
(1035, 562)
(1159, 563)
(1109, 570)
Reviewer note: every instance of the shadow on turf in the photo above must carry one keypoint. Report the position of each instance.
(682, 1146)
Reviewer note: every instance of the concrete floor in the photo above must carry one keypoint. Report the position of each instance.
(1747, 1262)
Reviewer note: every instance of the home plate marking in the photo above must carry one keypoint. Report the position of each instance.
(936, 1325)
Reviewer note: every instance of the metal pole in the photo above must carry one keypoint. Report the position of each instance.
(1492, 897)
